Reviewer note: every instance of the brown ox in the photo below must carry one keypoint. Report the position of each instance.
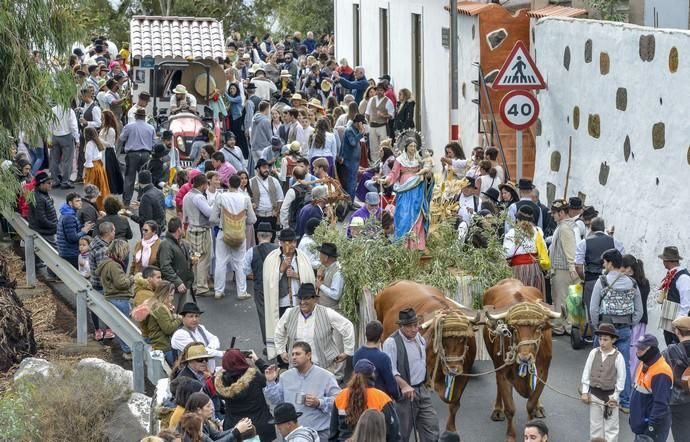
(518, 339)
(451, 355)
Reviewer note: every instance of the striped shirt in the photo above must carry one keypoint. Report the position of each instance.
(562, 250)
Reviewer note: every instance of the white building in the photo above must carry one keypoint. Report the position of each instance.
(402, 38)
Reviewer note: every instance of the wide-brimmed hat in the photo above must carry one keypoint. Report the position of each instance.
(326, 85)
(145, 96)
(295, 147)
(197, 352)
(180, 89)
(510, 187)
(606, 329)
(356, 221)
(315, 102)
(140, 112)
(670, 253)
(264, 227)
(284, 412)
(261, 162)
(558, 205)
(329, 249)
(647, 341)
(102, 82)
(526, 213)
(682, 323)
(525, 184)
(297, 97)
(257, 68)
(372, 198)
(190, 307)
(574, 203)
(306, 291)
(285, 73)
(589, 213)
(492, 193)
(407, 316)
(287, 234)
(43, 176)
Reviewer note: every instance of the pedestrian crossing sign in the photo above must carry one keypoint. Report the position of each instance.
(519, 71)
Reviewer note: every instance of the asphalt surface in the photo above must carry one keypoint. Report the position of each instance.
(567, 418)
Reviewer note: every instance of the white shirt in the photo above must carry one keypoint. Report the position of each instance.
(264, 88)
(302, 134)
(235, 202)
(307, 245)
(466, 207)
(107, 136)
(335, 291)
(265, 205)
(620, 371)
(521, 245)
(192, 101)
(211, 197)
(95, 114)
(183, 336)
(581, 249)
(91, 154)
(305, 330)
(132, 110)
(100, 97)
(374, 103)
(459, 167)
(285, 207)
(683, 286)
(65, 123)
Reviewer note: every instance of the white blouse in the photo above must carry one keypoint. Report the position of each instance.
(520, 245)
(108, 137)
(91, 154)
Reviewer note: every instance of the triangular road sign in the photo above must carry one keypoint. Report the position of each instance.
(519, 71)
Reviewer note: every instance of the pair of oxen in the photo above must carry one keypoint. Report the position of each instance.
(517, 334)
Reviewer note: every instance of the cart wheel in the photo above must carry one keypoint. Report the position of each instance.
(576, 338)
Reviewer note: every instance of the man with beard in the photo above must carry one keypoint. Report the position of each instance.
(267, 195)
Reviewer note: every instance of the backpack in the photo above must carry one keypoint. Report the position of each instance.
(302, 198)
(234, 227)
(616, 302)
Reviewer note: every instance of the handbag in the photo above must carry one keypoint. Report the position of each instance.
(542, 253)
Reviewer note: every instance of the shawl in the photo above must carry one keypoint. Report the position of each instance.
(271, 277)
(144, 255)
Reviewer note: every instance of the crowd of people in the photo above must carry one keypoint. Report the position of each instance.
(307, 139)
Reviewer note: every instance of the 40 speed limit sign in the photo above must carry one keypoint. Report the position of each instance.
(519, 109)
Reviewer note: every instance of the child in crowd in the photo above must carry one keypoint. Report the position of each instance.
(83, 259)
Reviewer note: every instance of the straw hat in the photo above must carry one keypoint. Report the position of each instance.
(285, 74)
(297, 97)
(180, 89)
(315, 102)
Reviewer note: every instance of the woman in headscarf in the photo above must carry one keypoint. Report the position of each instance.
(241, 387)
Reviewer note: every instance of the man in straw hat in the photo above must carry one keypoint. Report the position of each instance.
(562, 254)
(678, 357)
(407, 350)
(603, 380)
(182, 101)
(649, 410)
(330, 334)
(265, 88)
(676, 288)
(380, 109)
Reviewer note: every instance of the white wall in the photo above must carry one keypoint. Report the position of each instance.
(435, 104)
(468, 54)
(645, 197)
(670, 13)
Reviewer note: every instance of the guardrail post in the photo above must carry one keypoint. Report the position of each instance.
(30, 260)
(82, 315)
(138, 368)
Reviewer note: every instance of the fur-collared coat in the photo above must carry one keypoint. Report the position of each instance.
(244, 397)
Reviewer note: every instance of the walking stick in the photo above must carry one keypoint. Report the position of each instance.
(567, 173)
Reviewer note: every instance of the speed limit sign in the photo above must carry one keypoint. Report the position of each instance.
(519, 109)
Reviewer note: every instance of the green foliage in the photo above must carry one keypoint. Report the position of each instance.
(70, 405)
(304, 15)
(27, 88)
(375, 263)
(607, 9)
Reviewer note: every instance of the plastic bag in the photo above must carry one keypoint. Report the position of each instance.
(574, 305)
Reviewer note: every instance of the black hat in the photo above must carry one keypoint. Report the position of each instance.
(525, 184)
(492, 193)
(144, 96)
(140, 112)
(329, 249)
(471, 181)
(385, 77)
(190, 307)
(78, 52)
(264, 227)
(359, 118)
(526, 213)
(260, 163)
(159, 151)
(306, 291)
(284, 412)
(42, 176)
(589, 213)
(167, 135)
(407, 316)
(287, 234)
(276, 141)
(251, 87)
(606, 329)
(670, 253)
(229, 134)
(575, 203)
(312, 224)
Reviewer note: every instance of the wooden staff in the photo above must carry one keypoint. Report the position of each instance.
(567, 172)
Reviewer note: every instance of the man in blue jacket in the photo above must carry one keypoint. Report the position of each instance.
(358, 86)
(351, 153)
(69, 231)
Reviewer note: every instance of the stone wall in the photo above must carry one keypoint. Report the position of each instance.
(620, 93)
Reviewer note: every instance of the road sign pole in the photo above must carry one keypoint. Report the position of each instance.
(518, 154)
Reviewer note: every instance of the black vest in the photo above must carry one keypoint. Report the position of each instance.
(402, 364)
(259, 255)
(535, 210)
(597, 244)
(673, 293)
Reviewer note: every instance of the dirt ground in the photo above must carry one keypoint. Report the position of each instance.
(54, 322)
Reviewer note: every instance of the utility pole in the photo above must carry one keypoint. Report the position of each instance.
(454, 113)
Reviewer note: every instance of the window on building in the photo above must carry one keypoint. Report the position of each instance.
(384, 41)
(356, 46)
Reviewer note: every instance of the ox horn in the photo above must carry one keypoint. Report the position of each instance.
(550, 313)
(497, 316)
(473, 319)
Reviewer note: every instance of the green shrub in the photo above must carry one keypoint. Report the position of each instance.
(71, 405)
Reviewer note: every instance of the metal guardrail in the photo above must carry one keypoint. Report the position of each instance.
(87, 298)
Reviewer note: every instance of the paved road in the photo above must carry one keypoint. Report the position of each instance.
(567, 418)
